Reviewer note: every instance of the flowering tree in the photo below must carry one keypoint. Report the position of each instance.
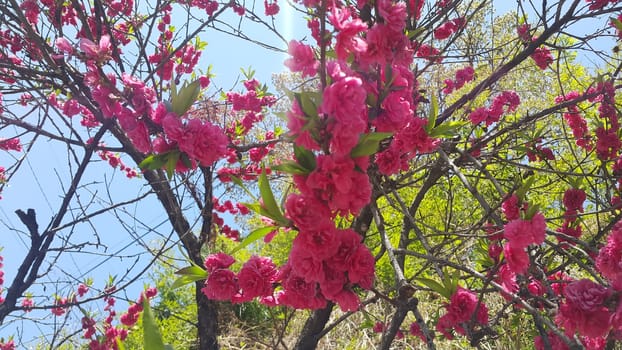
(423, 164)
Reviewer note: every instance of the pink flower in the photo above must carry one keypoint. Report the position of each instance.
(555, 342)
(12, 144)
(64, 45)
(256, 277)
(344, 102)
(347, 300)
(221, 284)
(307, 213)
(348, 243)
(542, 57)
(305, 263)
(82, 289)
(217, 261)
(362, 267)
(321, 243)
(297, 292)
(516, 257)
(510, 207)
(302, 60)
(573, 199)
(522, 233)
(584, 309)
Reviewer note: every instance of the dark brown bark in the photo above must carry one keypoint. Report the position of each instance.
(310, 335)
(207, 314)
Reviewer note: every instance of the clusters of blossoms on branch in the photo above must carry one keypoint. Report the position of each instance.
(464, 310)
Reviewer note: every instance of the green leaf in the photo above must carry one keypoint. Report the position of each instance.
(171, 163)
(269, 203)
(531, 211)
(305, 158)
(435, 286)
(290, 167)
(184, 280)
(153, 161)
(308, 102)
(368, 144)
(433, 114)
(253, 237)
(447, 129)
(522, 191)
(617, 23)
(153, 338)
(186, 97)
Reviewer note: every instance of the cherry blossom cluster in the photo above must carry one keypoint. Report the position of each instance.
(573, 203)
(463, 76)
(599, 4)
(541, 55)
(463, 310)
(7, 345)
(520, 233)
(585, 310)
(537, 152)
(227, 207)
(576, 122)
(610, 256)
(608, 143)
(110, 334)
(254, 280)
(505, 102)
(446, 29)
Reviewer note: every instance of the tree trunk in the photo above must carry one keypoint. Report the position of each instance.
(310, 335)
(207, 314)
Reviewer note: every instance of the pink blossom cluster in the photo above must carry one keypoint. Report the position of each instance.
(254, 280)
(463, 76)
(573, 203)
(541, 55)
(7, 345)
(520, 233)
(338, 182)
(325, 261)
(60, 306)
(608, 143)
(505, 102)
(576, 122)
(585, 311)
(130, 318)
(11, 144)
(609, 259)
(446, 29)
(429, 53)
(464, 311)
(303, 59)
(536, 152)
(227, 207)
(599, 4)
(202, 141)
(28, 303)
(271, 8)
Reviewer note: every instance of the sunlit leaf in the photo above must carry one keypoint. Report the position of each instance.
(152, 337)
(369, 144)
(253, 237)
(186, 97)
